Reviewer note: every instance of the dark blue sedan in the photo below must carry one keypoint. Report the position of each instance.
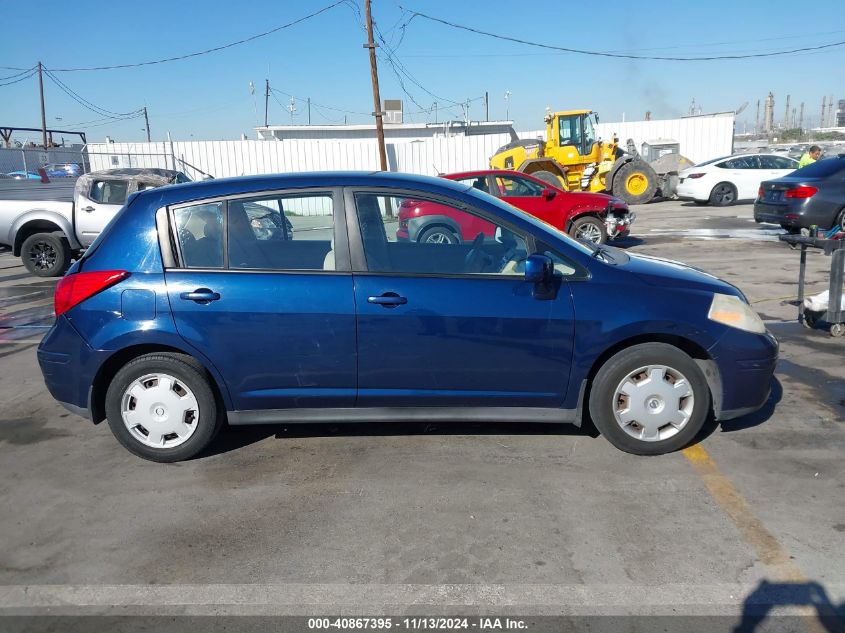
(187, 313)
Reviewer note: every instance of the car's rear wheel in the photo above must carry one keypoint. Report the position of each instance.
(723, 194)
(589, 228)
(438, 235)
(46, 254)
(840, 221)
(649, 399)
(161, 407)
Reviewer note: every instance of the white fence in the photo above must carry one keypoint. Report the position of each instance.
(239, 158)
(700, 137)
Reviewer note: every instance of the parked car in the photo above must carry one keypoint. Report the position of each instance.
(63, 170)
(596, 217)
(812, 195)
(47, 232)
(723, 181)
(24, 175)
(176, 321)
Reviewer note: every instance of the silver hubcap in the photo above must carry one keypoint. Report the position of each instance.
(653, 403)
(160, 411)
(438, 238)
(589, 232)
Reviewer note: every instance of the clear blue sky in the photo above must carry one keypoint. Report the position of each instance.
(208, 97)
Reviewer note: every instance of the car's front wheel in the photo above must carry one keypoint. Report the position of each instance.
(589, 228)
(649, 399)
(161, 407)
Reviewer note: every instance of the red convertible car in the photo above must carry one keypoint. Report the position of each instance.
(596, 217)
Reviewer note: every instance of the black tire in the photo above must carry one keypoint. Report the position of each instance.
(595, 230)
(617, 368)
(438, 235)
(840, 221)
(723, 195)
(634, 170)
(186, 370)
(549, 177)
(46, 254)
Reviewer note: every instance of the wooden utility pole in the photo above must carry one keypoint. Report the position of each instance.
(486, 106)
(378, 114)
(43, 112)
(147, 124)
(266, 99)
(309, 110)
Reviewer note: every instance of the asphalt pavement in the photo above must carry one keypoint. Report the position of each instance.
(441, 518)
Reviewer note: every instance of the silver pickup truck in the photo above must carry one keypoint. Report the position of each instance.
(48, 224)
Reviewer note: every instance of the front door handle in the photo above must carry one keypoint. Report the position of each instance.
(200, 295)
(88, 209)
(388, 300)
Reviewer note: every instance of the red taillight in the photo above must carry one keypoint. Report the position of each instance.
(801, 192)
(698, 175)
(76, 288)
(760, 193)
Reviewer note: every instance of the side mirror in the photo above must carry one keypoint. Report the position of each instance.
(548, 193)
(538, 268)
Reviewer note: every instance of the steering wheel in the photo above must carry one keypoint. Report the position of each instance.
(477, 260)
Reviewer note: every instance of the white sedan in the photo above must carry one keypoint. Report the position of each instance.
(723, 181)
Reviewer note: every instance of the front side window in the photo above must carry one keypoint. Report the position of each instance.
(569, 130)
(199, 231)
(518, 187)
(419, 236)
(109, 191)
(743, 162)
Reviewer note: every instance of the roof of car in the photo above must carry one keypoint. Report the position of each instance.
(175, 194)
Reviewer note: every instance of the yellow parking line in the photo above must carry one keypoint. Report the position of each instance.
(766, 546)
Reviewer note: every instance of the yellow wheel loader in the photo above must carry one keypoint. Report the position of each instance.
(573, 158)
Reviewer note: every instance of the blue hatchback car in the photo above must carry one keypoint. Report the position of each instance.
(192, 310)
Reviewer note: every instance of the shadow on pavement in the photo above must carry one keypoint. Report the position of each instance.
(234, 438)
(768, 596)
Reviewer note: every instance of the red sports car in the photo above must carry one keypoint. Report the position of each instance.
(592, 216)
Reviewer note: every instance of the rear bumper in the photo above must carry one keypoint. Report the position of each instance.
(67, 364)
(801, 216)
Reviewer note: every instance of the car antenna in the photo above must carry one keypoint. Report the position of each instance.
(439, 173)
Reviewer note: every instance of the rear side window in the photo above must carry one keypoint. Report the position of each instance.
(282, 232)
(822, 168)
(109, 191)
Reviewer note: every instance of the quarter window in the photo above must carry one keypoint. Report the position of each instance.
(421, 236)
(199, 230)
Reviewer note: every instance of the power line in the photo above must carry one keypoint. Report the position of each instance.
(206, 51)
(87, 104)
(29, 74)
(578, 51)
(320, 105)
(25, 71)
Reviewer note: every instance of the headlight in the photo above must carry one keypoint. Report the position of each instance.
(734, 312)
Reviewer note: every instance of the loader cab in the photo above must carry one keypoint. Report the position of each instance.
(574, 134)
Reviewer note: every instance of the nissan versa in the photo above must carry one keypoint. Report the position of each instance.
(192, 310)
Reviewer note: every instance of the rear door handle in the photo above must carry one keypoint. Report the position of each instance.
(200, 295)
(88, 209)
(388, 300)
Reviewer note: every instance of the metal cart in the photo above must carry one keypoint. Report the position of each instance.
(835, 249)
